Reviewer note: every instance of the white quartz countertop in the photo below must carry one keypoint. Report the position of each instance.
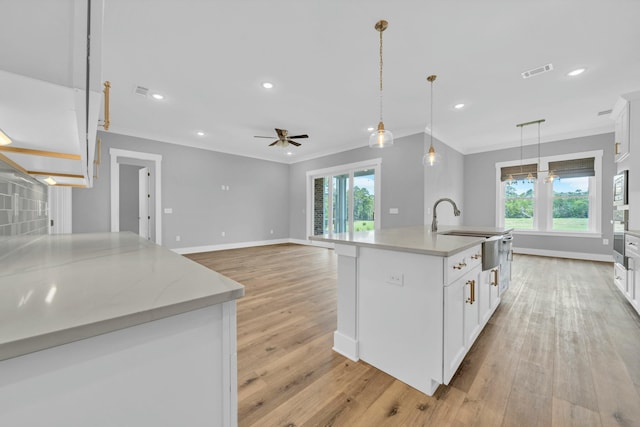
(62, 288)
(416, 239)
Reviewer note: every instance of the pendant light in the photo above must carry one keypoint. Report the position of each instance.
(430, 157)
(381, 137)
(551, 176)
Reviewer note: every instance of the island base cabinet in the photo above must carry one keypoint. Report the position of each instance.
(400, 315)
(176, 371)
(461, 320)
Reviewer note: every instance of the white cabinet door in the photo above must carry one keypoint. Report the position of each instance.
(494, 289)
(461, 320)
(472, 325)
(620, 277)
(484, 296)
(454, 345)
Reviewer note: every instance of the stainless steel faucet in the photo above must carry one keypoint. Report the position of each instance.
(434, 223)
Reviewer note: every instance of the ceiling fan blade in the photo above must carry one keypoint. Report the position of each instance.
(299, 136)
(282, 133)
(297, 144)
(258, 136)
(274, 143)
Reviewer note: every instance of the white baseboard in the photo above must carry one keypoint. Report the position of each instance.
(563, 254)
(346, 346)
(239, 245)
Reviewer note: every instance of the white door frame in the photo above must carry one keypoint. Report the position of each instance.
(143, 202)
(115, 187)
(349, 168)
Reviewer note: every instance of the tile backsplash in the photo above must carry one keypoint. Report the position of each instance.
(23, 205)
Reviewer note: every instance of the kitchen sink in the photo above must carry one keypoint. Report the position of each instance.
(490, 246)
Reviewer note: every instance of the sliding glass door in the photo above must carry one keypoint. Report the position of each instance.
(344, 200)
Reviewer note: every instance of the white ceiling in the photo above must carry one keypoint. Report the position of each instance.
(209, 58)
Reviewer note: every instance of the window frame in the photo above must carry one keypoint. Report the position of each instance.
(543, 196)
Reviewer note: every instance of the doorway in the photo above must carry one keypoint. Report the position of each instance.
(154, 189)
(344, 198)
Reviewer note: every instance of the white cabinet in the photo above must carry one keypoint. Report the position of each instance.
(632, 289)
(622, 137)
(488, 293)
(461, 320)
(620, 277)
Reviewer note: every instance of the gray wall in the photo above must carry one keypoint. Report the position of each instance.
(256, 203)
(445, 179)
(479, 192)
(129, 198)
(403, 178)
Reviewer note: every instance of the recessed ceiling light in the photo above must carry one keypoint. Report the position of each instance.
(458, 106)
(576, 72)
(289, 153)
(267, 85)
(370, 129)
(200, 133)
(157, 96)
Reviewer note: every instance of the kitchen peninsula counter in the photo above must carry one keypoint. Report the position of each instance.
(117, 330)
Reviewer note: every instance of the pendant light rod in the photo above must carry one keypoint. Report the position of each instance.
(430, 157)
(519, 125)
(381, 137)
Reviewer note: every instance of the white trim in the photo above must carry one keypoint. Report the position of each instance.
(241, 245)
(116, 153)
(348, 168)
(345, 346)
(345, 167)
(543, 195)
(564, 254)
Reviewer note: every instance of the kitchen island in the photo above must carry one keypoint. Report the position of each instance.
(411, 302)
(110, 329)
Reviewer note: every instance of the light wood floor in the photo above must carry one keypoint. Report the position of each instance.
(562, 349)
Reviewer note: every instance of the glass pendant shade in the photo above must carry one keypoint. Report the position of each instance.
(381, 137)
(429, 159)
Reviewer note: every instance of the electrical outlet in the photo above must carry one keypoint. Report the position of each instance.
(223, 234)
(395, 278)
(177, 238)
(393, 211)
(605, 241)
(271, 232)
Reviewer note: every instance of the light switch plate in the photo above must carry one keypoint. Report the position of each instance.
(393, 211)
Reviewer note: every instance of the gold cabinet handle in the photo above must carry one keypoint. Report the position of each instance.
(617, 147)
(460, 266)
(495, 277)
(476, 256)
(472, 291)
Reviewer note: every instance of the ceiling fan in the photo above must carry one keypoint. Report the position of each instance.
(284, 139)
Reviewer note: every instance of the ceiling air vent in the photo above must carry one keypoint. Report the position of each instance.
(604, 112)
(536, 71)
(142, 91)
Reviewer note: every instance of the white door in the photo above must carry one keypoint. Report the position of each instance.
(144, 198)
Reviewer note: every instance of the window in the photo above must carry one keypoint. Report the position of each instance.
(563, 197)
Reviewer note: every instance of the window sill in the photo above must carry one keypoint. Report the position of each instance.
(586, 234)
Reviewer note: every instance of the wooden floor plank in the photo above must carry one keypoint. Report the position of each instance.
(562, 349)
